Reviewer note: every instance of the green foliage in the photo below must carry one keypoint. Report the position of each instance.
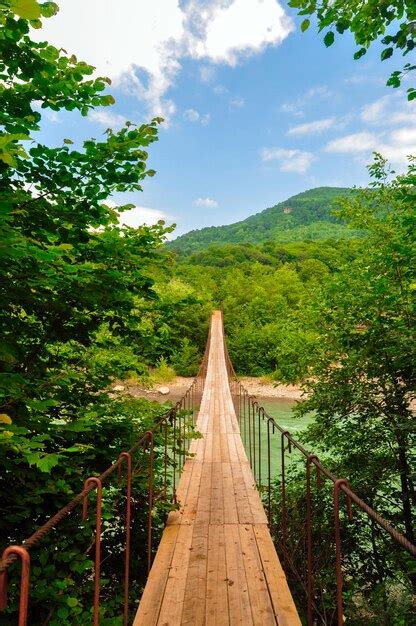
(361, 381)
(368, 22)
(75, 290)
(61, 565)
(186, 360)
(263, 290)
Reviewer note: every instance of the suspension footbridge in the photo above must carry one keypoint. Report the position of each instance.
(221, 461)
(216, 562)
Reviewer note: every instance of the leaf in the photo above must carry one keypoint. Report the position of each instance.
(72, 602)
(5, 419)
(46, 463)
(386, 54)
(305, 25)
(48, 9)
(27, 9)
(329, 39)
(361, 52)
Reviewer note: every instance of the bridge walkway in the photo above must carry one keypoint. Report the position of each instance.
(216, 562)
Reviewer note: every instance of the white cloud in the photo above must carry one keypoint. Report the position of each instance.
(290, 160)
(194, 116)
(206, 202)
(106, 118)
(356, 142)
(191, 115)
(233, 100)
(237, 101)
(140, 45)
(207, 73)
(311, 128)
(389, 110)
(296, 106)
(238, 28)
(142, 215)
(128, 41)
(395, 145)
(399, 144)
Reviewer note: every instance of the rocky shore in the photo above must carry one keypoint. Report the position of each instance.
(176, 388)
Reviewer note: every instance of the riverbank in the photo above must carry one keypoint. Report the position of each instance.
(177, 387)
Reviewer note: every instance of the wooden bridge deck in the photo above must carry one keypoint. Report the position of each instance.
(216, 563)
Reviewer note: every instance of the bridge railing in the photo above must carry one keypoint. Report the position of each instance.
(267, 445)
(167, 443)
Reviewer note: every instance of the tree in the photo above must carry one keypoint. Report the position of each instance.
(368, 22)
(362, 380)
(71, 281)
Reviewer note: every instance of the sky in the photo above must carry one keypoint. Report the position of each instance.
(255, 110)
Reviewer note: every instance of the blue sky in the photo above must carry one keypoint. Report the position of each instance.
(256, 111)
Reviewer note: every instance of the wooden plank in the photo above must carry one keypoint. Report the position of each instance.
(196, 582)
(217, 585)
(257, 509)
(172, 604)
(284, 607)
(229, 503)
(190, 506)
(203, 510)
(217, 495)
(238, 595)
(261, 605)
(148, 612)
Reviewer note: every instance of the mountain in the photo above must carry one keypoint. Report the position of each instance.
(307, 215)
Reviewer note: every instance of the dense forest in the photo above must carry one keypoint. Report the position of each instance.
(317, 290)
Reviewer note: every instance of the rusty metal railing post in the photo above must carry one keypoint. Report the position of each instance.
(23, 555)
(249, 429)
(174, 456)
(269, 478)
(284, 434)
(127, 457)
(97, 556)
(309, 538)
(338, 554)
(260, 413)
(150, 499)
(165, 459)
(253, 415)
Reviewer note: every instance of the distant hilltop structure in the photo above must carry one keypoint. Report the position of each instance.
(287, 210)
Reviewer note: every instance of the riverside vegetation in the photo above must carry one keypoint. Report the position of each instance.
(308, 295)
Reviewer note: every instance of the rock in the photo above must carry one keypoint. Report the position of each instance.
(164, 390)
(119, 388)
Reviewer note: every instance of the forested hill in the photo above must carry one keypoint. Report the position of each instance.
(307, 215)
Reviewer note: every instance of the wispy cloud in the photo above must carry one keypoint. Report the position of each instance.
(389, 110)
(395, 145)
(296, 106)
(207, 73)
(237, 101)
(233, 100)
(106, 118)
(210, 203)
(289, 160)
(312, 128)
(194, 116)
(355, 142)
